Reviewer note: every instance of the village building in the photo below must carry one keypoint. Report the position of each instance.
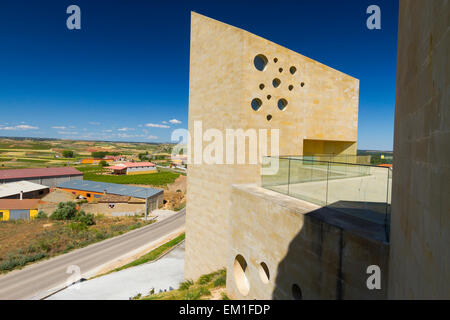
(133, 168)
(15, 209)
(113, 198)
(23, 190)
(49, 177)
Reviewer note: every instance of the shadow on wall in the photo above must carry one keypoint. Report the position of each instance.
(328, 259)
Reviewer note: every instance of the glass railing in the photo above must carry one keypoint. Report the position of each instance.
(360, 190)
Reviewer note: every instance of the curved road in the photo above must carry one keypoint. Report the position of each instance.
(42, 276)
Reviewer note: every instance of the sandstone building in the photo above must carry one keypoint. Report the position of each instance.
(317, 228)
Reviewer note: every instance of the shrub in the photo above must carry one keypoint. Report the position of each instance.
(197, 293)
(41, 215)
(220, 281)
(77, 226)
(65, 211)
(205, 279)
(224, 296)
(87, 219)
(44, 245)
(20, 260)
(186, 284)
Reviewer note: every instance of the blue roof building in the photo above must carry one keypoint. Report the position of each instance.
(111, 188)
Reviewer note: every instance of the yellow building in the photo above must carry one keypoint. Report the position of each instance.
(15, 209)
(95, 161)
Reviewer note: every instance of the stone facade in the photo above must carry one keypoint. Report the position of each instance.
(420, 223)
(308, 252)
(322, 108)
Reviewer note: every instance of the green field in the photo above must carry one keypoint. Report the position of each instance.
(155, 179)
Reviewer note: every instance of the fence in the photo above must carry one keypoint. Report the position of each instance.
(360, 190)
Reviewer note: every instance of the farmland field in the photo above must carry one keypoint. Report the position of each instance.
(155, 179)
(18, 153)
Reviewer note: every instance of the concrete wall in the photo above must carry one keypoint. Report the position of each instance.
(223, 81)
(141, 170)
(119, 208)
(420, 223)
(321, 254)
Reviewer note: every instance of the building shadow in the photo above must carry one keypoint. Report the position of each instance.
(329, 257)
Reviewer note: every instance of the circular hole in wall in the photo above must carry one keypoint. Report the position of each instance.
(240, 276)
(292, 69)
(276, 82)
(269, 96)
(261, 86)
(296, 292)
(291, 87)
(282, 103)
(256, 104)
(302, 84)
(281, 70)
(269, 117)
(264, 272)
(260, 62)
(275, 60)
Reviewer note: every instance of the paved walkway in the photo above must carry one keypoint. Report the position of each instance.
(163, 274)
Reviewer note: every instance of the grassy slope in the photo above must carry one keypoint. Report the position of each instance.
(29, 241)
(200, 290)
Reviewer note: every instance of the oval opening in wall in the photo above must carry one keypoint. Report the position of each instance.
(256, 104)
(282, 103)
(264, 274)
(240, 274)
(260, 62)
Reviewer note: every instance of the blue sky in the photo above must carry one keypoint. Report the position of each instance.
(125, 75)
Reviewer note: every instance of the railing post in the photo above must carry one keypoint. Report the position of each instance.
(289, 175)
(326, 196)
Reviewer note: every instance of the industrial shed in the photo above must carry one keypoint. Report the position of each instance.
(23, 190)
(101, 191)
(16, 209)
(49, 177)
(133, 168)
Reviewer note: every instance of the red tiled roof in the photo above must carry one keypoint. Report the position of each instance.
(16, 204)
(116, 168)
(38, 172)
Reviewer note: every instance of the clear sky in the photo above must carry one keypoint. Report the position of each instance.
(125, 75)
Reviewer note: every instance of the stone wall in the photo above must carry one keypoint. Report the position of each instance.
(420, 223)
(325, 255)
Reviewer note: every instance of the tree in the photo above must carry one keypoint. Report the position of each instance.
(103, 163)
(67, 154)
(65, 211)
(143, 156)
(99, 154)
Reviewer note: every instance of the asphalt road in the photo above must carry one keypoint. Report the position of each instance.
(39, 277)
